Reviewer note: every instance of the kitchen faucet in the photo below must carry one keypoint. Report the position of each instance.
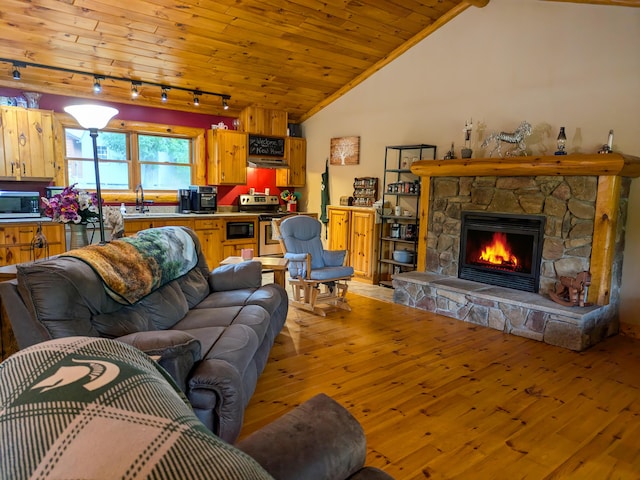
(140, 207)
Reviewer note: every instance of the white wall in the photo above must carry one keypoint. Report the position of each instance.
(555, 64)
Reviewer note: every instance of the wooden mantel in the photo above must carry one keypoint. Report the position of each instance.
(609, 168)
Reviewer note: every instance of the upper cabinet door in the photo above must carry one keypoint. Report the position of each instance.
(28, 143)
(227, 157)
(296, 174)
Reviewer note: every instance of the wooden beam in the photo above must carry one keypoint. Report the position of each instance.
(603, 245)
(478, 3)
(423, 229)
(588, 164)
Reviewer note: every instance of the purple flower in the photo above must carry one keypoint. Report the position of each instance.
(71, 206)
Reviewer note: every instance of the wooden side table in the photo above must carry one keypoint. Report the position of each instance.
(277, 264)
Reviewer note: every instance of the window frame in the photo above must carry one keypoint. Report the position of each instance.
(133, 129)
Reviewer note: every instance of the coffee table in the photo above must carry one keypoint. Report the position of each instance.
(277, 264)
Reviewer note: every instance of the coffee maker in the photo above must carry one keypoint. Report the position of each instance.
(184, 200)
(204, 198)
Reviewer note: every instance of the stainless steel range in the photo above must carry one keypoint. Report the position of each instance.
(267, 207)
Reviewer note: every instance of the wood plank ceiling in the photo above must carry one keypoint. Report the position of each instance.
(297, 56)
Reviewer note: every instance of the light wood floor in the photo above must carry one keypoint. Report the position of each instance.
(441, 399)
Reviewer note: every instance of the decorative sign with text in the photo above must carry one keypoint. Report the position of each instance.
(261, 146)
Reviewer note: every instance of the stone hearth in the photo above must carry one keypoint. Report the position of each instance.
(515, 312)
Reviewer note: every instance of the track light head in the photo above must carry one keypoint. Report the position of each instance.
(164, 96)
(97, 88)
(196, 99)
(225, 105)
(134, 89)
(16, 72)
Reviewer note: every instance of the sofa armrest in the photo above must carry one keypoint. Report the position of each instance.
(175, 351)
(318, 439)
(236, 276)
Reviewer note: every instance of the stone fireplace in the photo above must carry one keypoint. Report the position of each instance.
(583, 201)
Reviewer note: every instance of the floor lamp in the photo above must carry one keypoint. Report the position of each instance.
(94, 118)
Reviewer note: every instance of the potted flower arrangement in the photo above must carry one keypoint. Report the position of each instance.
(291, 198)
(74, 207)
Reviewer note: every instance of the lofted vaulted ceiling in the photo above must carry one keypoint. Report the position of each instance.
(297, 56)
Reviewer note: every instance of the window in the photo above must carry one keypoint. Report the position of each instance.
(113, 155)
(128, 157)
(165, 162)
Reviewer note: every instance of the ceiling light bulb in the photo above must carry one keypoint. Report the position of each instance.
(97, 88)
(134, 90)
(196, 100)
(225, 105)
(164, 95)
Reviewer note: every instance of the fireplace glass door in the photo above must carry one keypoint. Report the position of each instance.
(501, 249)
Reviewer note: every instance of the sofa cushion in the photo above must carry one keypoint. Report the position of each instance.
(194, 286)
(253, 316)
(61, 294)
(159, 310)
(236, 276)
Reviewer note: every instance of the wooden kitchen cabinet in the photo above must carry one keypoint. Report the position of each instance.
(355, 230)
(27, 144)
(210, 232)
(296, 174)
(15, 242)
(264, 121)
(227, 157)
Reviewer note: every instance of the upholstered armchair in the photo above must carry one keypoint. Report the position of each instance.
(318, 277)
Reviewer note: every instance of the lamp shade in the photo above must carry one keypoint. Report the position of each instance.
(91, 116)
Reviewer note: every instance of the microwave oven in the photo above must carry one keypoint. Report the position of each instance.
(19, 204)
(239, 229)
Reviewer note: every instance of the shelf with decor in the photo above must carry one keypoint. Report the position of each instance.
(397, 251)
(365, 191)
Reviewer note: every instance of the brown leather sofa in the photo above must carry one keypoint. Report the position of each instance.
(212, 331)
(83, 407)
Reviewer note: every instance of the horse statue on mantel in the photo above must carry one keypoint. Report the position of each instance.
(514, 138)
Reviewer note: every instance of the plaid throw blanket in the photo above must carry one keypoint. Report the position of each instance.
(93, 408)
(133, 267)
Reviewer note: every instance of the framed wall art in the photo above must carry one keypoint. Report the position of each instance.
(345, 151)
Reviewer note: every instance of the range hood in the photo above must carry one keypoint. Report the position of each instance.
(267, 162)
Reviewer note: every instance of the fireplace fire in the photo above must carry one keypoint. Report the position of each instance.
(502, 249)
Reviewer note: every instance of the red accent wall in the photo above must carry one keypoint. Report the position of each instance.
(258, 178)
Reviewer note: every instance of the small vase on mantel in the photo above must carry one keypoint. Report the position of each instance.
(78, 237)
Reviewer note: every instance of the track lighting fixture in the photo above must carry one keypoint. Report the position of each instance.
(97, 88)
(134, 89)
(135, 84)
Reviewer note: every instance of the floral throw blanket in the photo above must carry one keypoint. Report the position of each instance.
(133, 267)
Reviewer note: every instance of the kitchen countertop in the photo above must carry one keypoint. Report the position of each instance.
(142, 216)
